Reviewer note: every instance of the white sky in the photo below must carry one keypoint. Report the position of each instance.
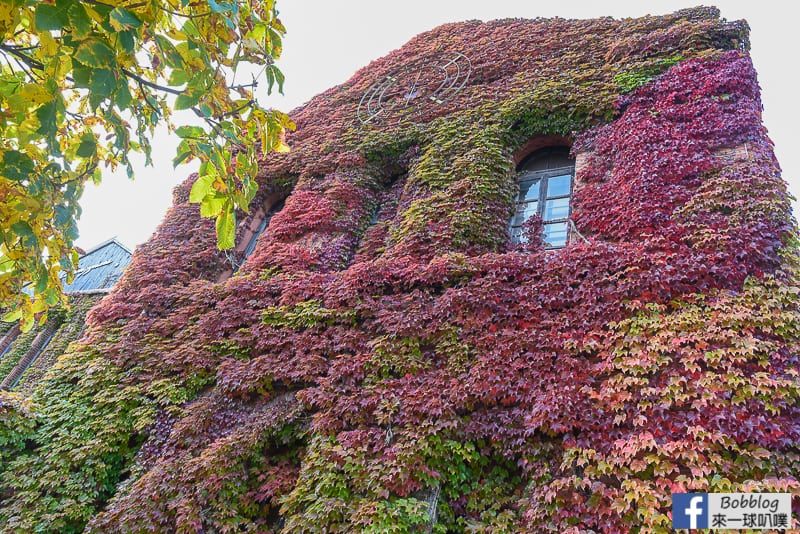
(328, 41)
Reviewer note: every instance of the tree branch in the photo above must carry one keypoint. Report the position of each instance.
(17, 52)
(150, 84)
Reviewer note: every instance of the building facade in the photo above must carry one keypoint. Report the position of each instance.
(516, 276)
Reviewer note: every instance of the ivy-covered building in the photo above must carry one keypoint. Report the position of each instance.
(516, 276)
(25, 357)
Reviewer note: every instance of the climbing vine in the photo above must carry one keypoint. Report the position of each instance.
(386, 361)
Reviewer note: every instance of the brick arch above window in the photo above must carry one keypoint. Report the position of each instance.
(539, 142)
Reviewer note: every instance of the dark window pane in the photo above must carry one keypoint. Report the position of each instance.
(548, 158)
(555, 234)
(556, 209)
(558, 186)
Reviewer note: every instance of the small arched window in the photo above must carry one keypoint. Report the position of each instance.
(251, 243)
(249, 233)
(545, 187)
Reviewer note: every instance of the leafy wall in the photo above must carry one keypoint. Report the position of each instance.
(386, 362)
(33, 353)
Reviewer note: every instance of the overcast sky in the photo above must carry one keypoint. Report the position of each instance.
(328, 41)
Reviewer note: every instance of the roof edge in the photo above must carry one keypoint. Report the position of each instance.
(105, 243)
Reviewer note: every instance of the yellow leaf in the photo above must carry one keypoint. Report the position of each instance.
(220, 185)
(47, 45)
(97, 17)
(8, 12)
(35, 94)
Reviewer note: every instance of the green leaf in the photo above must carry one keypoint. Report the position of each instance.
(79, 20)
(276, 42)
(127, 40)
(88, 146)
(23, 230)
(123, 97)
(12, 316)
(191, 131)
(122, 19)
(50, 18)
(201, 187)
(212, 206)
(205, 110)
(103, 82)
(81, 76)
(223, 7)
(178, 77)
(9, 87)
(62, 215)
(226, 227)
(16, 166)
(279, 77)
(51, 296)
(41, 282)
(48, 119)
(172, 57)
(180, 158)
(95, 53)
(186, 101)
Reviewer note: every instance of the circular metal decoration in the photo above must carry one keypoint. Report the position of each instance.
(409, 91)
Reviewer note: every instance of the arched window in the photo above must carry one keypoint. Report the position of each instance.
(545, 187)
(251, 244)
(247, 237)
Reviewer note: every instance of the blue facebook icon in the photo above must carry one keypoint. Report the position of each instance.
(690, 510)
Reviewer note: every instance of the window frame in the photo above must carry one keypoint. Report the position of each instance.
(543, 177)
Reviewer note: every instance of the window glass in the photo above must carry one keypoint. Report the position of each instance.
(558, 185)
(555, 234)
(529, 190)
(556, 209)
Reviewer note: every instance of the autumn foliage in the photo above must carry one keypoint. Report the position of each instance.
(386, 361)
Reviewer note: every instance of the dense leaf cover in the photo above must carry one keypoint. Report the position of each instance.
(386, 362)
(68, 324)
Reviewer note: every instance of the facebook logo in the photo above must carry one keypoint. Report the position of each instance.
(690, 510)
